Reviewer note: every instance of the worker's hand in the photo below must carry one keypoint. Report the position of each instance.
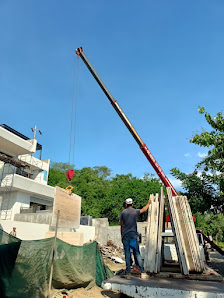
(149, 202)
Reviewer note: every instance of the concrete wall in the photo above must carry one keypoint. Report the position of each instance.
(24, 230)
(40, 217)
(35, 231)
(15, 201)
(114, 233)
(88, 233)
(21, 200)
(101, 225)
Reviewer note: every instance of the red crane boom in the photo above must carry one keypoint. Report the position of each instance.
(128, 124)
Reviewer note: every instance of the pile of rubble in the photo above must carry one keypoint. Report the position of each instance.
(111, 251)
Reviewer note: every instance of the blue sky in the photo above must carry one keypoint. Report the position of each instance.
(159, 59)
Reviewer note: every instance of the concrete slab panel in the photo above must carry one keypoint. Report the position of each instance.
(70, 209)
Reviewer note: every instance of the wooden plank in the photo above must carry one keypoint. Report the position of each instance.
(70, 209)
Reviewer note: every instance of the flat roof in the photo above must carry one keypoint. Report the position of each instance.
(18, 134)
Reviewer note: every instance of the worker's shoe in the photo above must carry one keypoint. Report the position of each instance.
(128, 274)
(144, 275)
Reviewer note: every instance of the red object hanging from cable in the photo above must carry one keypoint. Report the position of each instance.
(70, 174)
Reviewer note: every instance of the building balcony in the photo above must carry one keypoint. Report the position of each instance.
(13, 145)
(35, 163)
(23, 184)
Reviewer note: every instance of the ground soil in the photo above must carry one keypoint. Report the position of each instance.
(115, 267)
(94, 292)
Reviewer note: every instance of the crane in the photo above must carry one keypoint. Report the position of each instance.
(128, 124)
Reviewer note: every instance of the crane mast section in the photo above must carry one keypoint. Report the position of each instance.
(128, 124)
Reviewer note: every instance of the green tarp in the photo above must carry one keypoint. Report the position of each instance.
(25, 266)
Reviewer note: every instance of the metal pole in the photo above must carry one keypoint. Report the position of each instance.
(53, 254)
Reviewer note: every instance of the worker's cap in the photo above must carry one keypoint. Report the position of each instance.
(129, 201)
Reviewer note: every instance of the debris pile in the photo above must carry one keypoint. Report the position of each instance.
(111, 251)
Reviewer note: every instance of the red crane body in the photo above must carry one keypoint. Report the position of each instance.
(123, 117)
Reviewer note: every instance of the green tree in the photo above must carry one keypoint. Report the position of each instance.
(57, 174)
(213, 163)
(211, 224)
(207, 189)
(123, 187)
(103, 195)
(93, 188)
(200, 192)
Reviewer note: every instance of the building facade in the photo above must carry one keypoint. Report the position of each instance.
(23, 177)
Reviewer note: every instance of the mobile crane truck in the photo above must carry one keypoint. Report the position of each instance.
(137, 138)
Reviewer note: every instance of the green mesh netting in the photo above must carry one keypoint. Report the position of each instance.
(27, 268)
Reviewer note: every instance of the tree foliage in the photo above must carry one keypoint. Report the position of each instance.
(211, 224)
(205, 186)
(103, 195)
(213, 164)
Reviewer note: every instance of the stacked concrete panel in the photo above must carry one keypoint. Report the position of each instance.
(187, 246)
(186, 240)
(153, 245)
(70, 209)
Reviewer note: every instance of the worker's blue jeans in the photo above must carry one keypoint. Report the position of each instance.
(127, 252)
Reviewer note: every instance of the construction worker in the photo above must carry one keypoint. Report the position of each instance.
(129, 233)
(13, 232)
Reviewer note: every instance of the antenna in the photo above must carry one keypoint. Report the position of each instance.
(35, 131)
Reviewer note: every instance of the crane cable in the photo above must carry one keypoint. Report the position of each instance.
(70, 172)
(73, 114)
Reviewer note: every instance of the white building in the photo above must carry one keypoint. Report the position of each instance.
(23, 177)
